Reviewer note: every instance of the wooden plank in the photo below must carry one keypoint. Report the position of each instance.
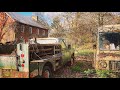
(37, 61)
(46, 54)
(48, 49)
(31, 45)
(57, 49)
(41, 50)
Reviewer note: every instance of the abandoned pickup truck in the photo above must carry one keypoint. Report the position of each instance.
(107, 54)
(38, 57)
(47, 55)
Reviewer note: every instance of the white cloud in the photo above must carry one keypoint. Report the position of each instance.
(52, 14)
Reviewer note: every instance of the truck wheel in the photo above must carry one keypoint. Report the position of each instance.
(47, 72)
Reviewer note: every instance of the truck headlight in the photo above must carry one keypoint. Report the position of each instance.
(102, 64)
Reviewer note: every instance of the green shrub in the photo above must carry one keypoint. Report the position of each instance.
(103, 73)
(89, 71)
(76, 68)
(80, 64)
(84, 52)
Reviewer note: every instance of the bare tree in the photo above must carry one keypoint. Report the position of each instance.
(81, 27)
(42, 19)
(57, 29)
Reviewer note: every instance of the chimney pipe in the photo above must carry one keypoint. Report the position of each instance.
(35, 18)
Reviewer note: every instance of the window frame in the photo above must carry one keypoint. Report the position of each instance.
(30, 30)
(22, 28)
(43, 33)
(99, 42)
(38, 31)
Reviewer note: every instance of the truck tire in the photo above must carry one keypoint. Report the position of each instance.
(47, 72)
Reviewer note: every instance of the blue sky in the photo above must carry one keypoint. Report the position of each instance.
(30, 14)
(47, 15)
(25, 13)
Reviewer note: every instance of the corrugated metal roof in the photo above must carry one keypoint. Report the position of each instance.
(24, 19)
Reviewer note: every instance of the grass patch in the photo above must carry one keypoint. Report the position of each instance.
(103, 73)
(89, 71)
(82, 66)
(78, 67)
(84, 52)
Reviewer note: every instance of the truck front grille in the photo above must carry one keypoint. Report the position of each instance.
(114, 65)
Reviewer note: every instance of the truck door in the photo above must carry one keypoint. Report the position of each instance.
(23, 57)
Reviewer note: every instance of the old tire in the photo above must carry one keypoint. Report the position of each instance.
(47, 72)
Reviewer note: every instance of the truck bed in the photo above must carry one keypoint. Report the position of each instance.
(43, 50)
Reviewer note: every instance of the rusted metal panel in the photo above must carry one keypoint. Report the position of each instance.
(8, 62)
(109, 28)
(106, 58)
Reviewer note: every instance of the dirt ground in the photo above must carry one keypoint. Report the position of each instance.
(67, 72)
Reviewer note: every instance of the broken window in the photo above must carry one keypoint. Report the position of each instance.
(109, 41)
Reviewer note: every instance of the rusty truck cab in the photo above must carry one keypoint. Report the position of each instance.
(107, 55)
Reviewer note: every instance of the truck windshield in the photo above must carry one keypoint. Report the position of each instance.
(109, 41)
